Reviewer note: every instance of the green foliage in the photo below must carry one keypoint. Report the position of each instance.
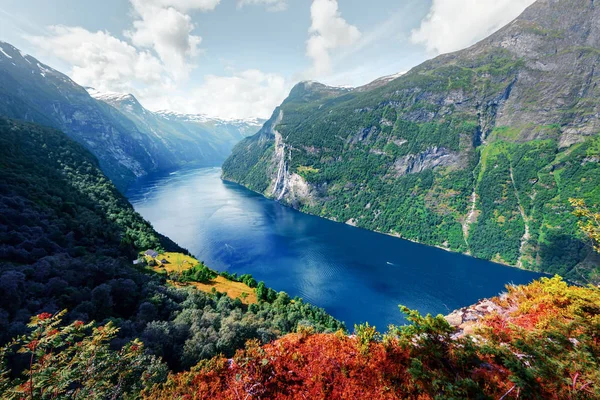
(198, 273)
(263, 293)
(76, 362)
(247, 279)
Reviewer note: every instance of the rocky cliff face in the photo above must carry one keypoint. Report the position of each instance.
(477, 151)
(182, 138)
(32, 91)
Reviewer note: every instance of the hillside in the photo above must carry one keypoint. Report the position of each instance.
(183, 138)
(67, 241)
(534, 342)
(477, 151)
(128, 140)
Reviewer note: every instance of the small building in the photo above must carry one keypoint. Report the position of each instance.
(164, 261)
(151, 253)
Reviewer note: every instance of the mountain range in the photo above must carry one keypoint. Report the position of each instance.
(476, 151)
(129, 140)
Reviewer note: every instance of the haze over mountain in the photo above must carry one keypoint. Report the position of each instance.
(128, 140)
(476, 151)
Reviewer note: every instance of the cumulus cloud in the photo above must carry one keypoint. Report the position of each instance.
(154, 59)
(165, 27)
(328, 32)
(272, 5)
(245, 94)
(455, 24)
(100, 60)
(185, 5)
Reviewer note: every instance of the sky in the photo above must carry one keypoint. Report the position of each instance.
(240, 58)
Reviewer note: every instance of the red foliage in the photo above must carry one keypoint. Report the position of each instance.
(298, 366)
(44, 316)
(541, 342)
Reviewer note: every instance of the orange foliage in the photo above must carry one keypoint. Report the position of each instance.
(543, 343)
(297, 366)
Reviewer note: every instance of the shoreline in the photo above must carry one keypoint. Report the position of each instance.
(388, 234)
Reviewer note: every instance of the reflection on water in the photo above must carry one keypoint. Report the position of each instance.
(356, 275)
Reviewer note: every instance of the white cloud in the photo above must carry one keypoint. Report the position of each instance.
(246, 94)
(328, 31)
(185, 5)
(165, 27)
(272, 5)
(154, 59)
(100, 60)
(455, 24)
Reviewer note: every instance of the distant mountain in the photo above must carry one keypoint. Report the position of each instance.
(475, 151)
(189, 139)
(128, 140)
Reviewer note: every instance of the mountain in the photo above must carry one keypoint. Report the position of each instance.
(128, 140)
(188, 139)
(476, 151)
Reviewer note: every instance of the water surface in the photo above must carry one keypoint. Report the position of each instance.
(356, 275)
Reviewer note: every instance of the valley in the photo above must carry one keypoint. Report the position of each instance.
(432, 234)
(355, 275)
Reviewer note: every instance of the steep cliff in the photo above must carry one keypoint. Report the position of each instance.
(476, 151)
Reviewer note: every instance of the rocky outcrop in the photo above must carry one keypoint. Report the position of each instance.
(433, 157)
(466, 319)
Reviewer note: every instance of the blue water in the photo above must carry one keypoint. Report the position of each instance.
(356, 275)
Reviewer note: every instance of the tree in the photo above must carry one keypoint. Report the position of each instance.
(76, 362)
(589, 221)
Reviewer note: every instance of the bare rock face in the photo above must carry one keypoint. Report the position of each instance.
(466, 319)
(431, 158)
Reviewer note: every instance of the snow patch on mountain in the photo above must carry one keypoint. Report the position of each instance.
(109, 96)
(202, 118)
(5, 53)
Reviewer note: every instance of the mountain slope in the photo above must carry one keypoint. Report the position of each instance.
(476, 151)
(128, 140)
(533, 342)
(185, 139)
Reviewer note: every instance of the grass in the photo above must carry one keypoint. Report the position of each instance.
(220, 284)
(178, 262)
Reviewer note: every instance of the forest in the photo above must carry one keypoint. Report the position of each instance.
(541, 341)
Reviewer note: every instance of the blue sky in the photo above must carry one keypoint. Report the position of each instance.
(239, 58)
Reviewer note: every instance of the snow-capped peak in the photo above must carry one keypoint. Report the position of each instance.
(389, 78)
(202, 118)
(109, 96)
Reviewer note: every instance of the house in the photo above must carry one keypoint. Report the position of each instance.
(164, 261)
(151, 253)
